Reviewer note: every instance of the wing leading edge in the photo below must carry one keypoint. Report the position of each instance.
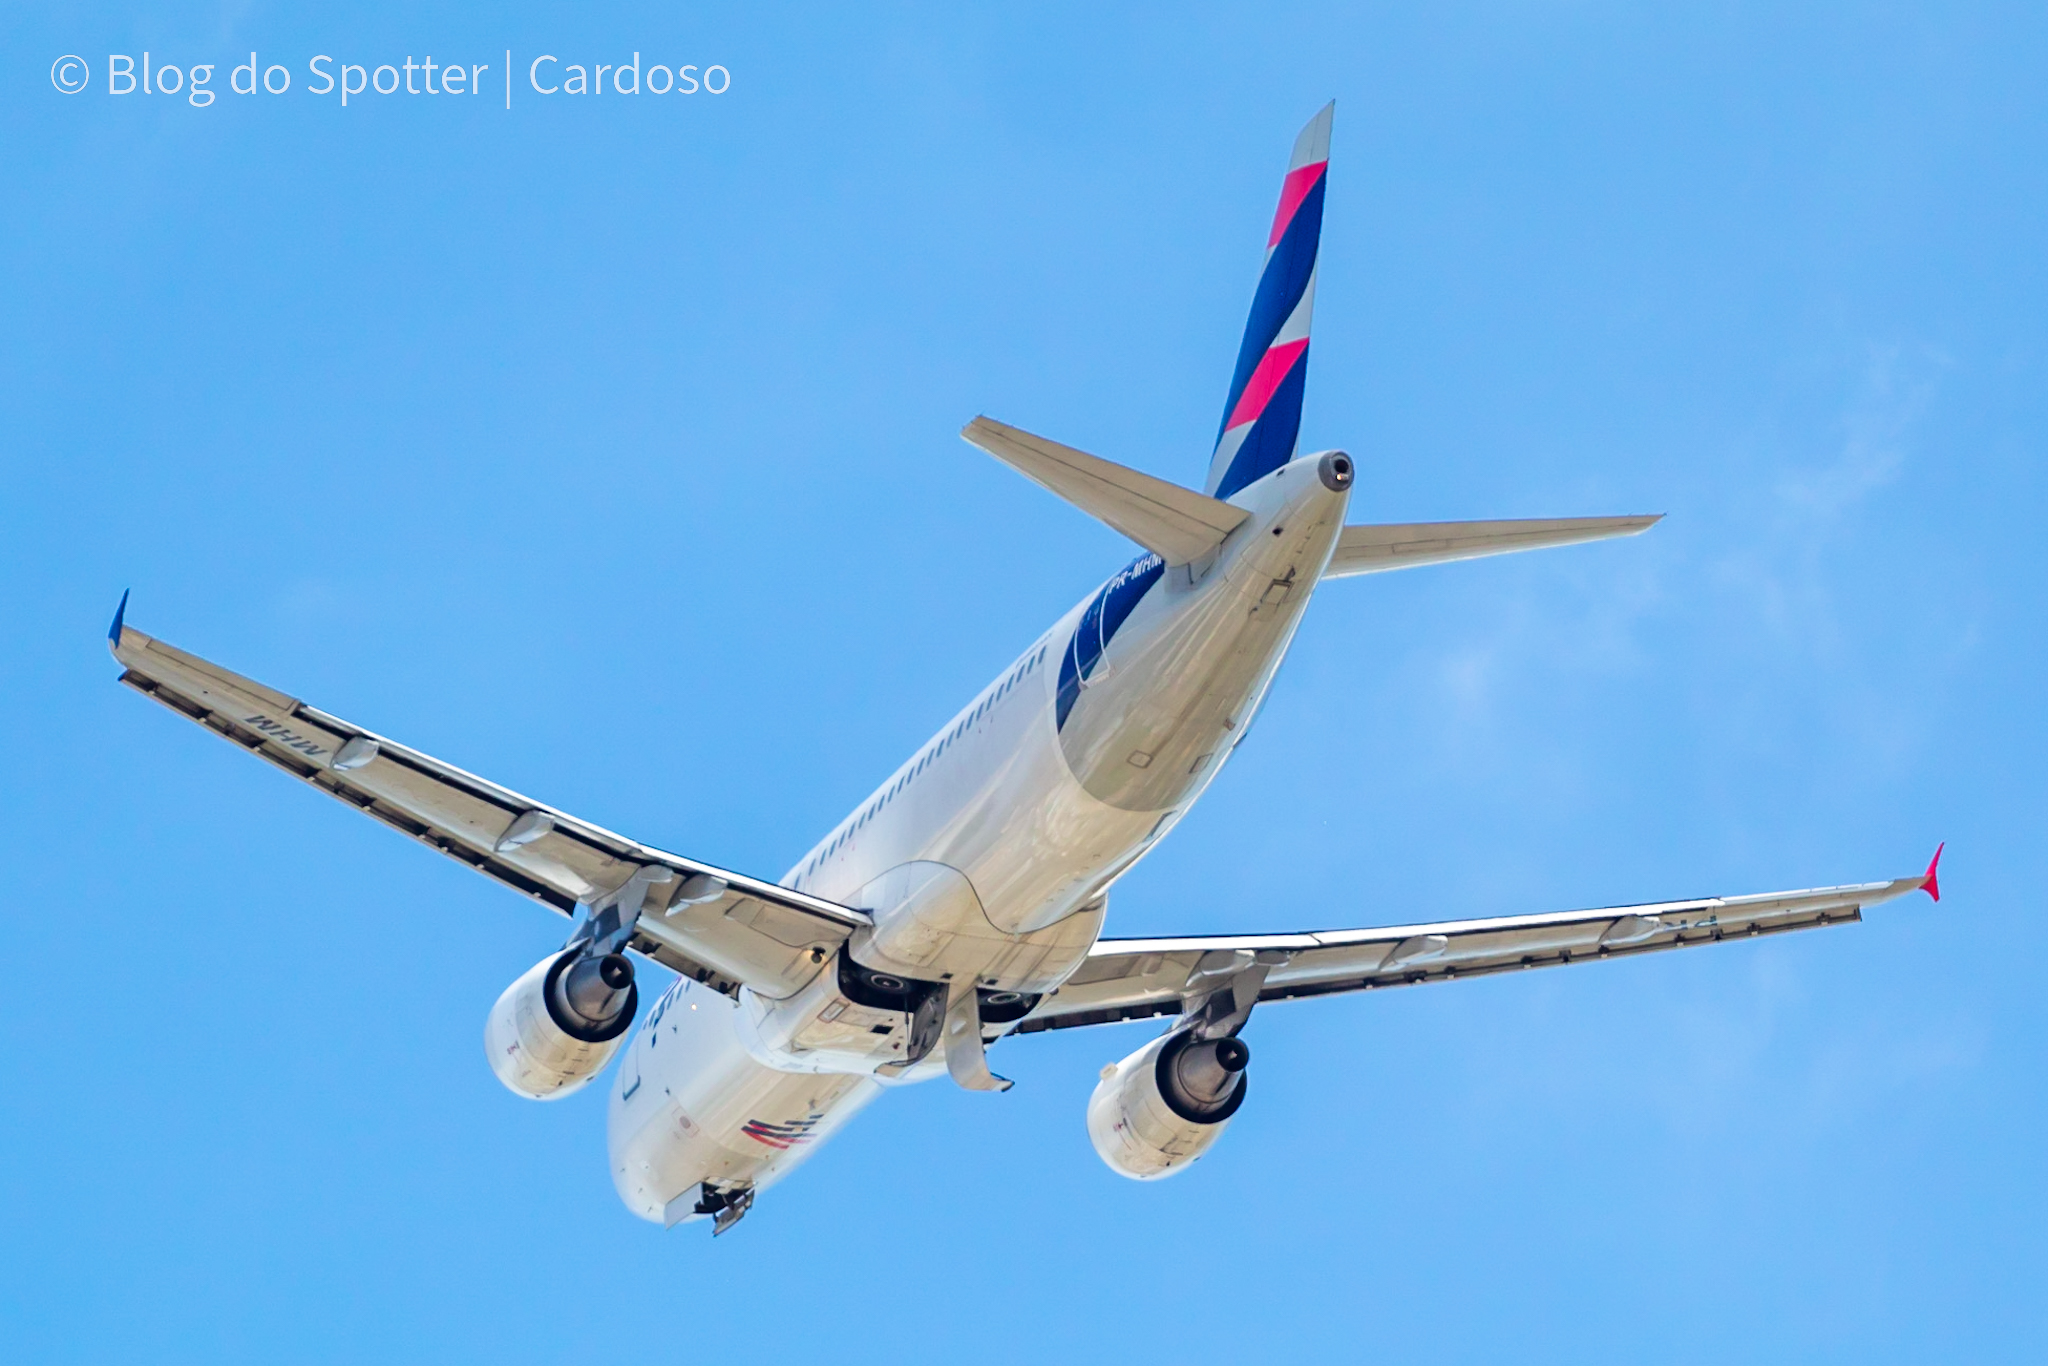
(717, 926)
(1130, 979)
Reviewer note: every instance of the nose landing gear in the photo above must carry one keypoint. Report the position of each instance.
(729, 1205)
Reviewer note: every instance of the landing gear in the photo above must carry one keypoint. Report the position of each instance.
(730, 1206)
(966, 1055)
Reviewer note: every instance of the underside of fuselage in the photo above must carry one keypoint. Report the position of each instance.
(985, 860)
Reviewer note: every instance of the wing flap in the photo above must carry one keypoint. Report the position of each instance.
(774, 942)
(1374, 549)
(1126, 979)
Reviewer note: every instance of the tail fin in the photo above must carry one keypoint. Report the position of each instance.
(1262, 416)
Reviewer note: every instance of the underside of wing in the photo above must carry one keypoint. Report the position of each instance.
(1129, 979)
(1375, 549)
(720, 927)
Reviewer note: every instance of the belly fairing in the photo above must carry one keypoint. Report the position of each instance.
(930, 925)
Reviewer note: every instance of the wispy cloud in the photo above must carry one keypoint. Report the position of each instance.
(1896, 387)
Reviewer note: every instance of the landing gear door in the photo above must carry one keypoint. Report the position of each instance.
(643, 1039)
(629, 1068)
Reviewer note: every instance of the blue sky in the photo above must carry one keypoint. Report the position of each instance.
(608, 449)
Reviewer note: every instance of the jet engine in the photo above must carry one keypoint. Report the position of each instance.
(1160, 1108)
(556, 1027)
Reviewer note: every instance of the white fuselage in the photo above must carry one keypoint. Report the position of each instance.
(987, 855)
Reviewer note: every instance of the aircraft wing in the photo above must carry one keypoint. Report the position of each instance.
(720, 927)
(1130, 979)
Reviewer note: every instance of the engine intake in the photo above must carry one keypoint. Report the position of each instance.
(556, 1027)
(1162, 1107)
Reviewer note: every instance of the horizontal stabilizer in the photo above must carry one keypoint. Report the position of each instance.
(1177, 524)
(1370, 549)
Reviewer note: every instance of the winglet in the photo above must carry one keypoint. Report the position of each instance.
(1928, 884)
(114, 631)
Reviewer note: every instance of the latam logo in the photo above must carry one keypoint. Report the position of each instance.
(783, 1136)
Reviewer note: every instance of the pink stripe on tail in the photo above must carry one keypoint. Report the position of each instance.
(1293, 190)
(1258, 390)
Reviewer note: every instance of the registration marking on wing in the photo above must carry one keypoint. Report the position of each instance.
(284, 735)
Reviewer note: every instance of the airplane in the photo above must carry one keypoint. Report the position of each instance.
(963, 902)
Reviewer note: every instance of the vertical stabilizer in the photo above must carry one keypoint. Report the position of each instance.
(1262, 416)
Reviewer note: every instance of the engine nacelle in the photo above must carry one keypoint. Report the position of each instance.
(1163, 1106)
(556, 1027)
